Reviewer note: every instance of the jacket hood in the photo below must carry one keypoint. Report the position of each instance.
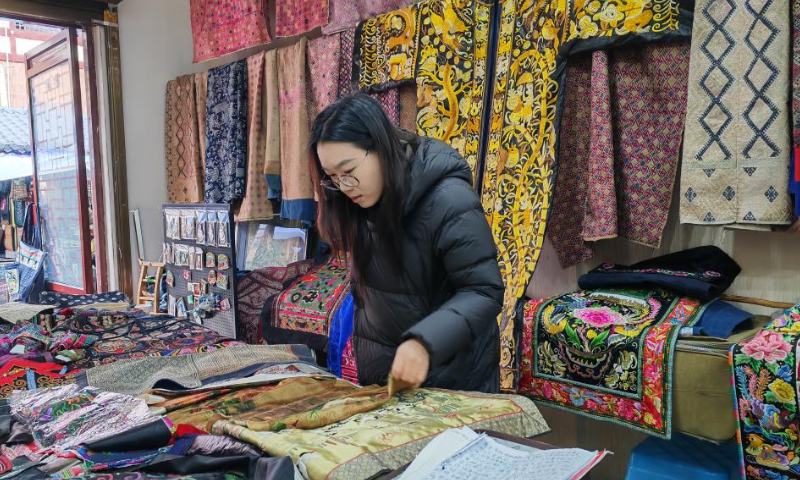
(432, 162)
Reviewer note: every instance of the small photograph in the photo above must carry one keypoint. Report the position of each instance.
(203, 287)
(211, 260)
(196, 289)
(198, 258)
(170, 279)
(224, 305)
(223, 262)
(212, 277)
(187, 275)
(222, 281)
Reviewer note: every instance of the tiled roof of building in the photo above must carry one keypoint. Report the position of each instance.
(14, 131)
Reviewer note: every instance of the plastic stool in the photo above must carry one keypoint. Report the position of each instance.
(683, 458)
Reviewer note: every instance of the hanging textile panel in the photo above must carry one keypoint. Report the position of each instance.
(294, 17)
(201, 95)
(298, 193)
(226, 133)
(737, 144)
(442, 46)
(765, 385)
(255, 205)
(367, 444)
(324, 55)
(520, 165)
(607, 354)
(794, 180)
(181, 143)
(619, 151)
(345, 14)
(272, 126)
(220, 27)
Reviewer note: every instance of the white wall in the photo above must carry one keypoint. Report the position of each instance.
(155, 47)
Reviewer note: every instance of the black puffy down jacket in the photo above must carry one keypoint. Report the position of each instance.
(451, 291)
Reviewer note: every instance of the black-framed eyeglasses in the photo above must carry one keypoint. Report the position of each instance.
(334, 182)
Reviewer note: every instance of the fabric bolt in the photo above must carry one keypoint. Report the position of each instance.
(703, 273)
(191, 371)
(226, 133)
(298, 193)
(765, 386)
(293, 17)
(345, 14)
(630, 133)
(201, 99)
(272, 125)
(220, 27)
(323, 79)
(303, 312)
(607, 354)
(254, 289)
(182, 146)
(341, 329)
(387, 438)
(220, 446)
(65, 417)
(737, 144)
(65, 300)
(719, 319)
(255, 206)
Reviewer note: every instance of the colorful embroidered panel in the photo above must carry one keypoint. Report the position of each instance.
(518, 177)
(606, 354)
(765, 383)
(311, 302)
(737, 145)
(294, 17)
(182, 146)
(366, 444)
(226, 26)
(442, 44)
(20, 374)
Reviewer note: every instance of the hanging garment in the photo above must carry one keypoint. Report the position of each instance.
(620, 150)
(182, 146)
(794, 176)
(298, 193)
(220, 27)
(345, 14)
(737, 144)
(607, 354)
(226, 133)
(765, 381)
(272, 125)
(294, 17)
(440, 45)
(255, 205)
(201, 97)
(408, 107)
(323, 73)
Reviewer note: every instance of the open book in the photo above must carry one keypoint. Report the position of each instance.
(462, 454)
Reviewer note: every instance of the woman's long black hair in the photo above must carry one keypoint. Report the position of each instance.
(359, 119)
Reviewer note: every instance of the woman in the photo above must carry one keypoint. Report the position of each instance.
(426, 283)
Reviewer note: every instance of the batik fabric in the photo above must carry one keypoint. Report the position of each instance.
(737, 145)
(365, 444)
(620, 150)
(255, 288)
(181, 143)
(298, 193)
(220, 27)
(765, 385)
(303, 312)
(226, 133)
(293, 17)
(607, 354)
(255, 206)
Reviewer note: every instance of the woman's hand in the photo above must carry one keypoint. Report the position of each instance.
(410, 366)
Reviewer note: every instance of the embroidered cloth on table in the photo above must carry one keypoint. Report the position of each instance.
(65, 417)
(255, 205)
(26, 374)
(182, 146)
(121, 337)
(220, 27)
(303, 312)
(293, 17)
(765, 387)
(298, 193)
(518, 174)
(737, 144)
(137, 376)
(619, 152)
(384, 439)
(607, 354)
(254, 289)
(226, 133)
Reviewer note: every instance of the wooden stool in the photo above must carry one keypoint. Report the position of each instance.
(141, 295)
